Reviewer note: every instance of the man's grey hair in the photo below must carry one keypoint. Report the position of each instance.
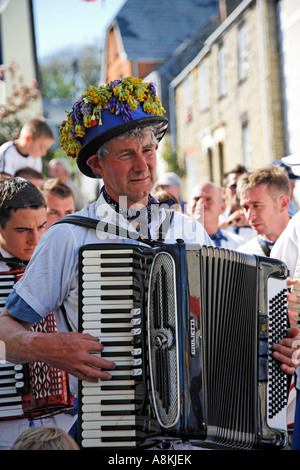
(138, 133)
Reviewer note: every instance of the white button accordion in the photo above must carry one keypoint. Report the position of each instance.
(191, 331)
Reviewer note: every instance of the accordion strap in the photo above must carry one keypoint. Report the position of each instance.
(105, 227)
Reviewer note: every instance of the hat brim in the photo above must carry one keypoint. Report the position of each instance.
(291, 160)
(91, 147)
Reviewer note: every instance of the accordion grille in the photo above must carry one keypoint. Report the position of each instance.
(162, 328)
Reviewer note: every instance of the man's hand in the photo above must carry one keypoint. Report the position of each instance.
(75, 353)
(287, 351)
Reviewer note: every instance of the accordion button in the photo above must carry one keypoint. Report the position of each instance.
(19, 376)
(135, 311)
(137, 362)
(136, 352)
(136, 331)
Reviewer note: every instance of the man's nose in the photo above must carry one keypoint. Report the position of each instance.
(250, 214)
(140, 163)
(33, 237)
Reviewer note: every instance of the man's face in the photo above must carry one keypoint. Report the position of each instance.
(207, 197)
(57, 208)
(129, 169)
(230, 190)
(261, 210)
(22, 232)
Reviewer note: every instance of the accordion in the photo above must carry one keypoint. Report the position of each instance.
(34, 389)
(191, 332)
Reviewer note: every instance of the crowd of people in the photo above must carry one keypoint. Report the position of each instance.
(249, 213)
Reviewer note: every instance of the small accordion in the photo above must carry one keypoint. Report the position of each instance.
(34, 389)
(191, 330)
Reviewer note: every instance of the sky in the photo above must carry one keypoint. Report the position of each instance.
(60, 23)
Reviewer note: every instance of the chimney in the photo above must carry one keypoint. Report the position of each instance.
(226, 7)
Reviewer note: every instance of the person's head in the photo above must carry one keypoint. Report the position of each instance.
(292, 176)
(44, 438)
(207, 197)
(264, 197)
(59, 168)
(163, 196)
(32, 175)
(127, 117)
(36, 137)
(127, 165)
(22, 217)
(171, 183)
(229, 186)
(59, 199)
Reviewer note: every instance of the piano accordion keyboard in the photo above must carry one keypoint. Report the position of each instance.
(110, 312)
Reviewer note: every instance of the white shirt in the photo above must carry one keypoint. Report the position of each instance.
(11, 160)
(251, 247)
(227, 240)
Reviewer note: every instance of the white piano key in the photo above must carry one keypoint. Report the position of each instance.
(112, 421)
(95, 253)
(98, 433)
(10, 412)
(112, 384)
(95, 316)
(117, 347)
(88, 443)
(100, 292)
(101, 334)
(126, 421)
(100, 325)
(10, 380)
(96, 276)
(7, 372)
(104, 397)
(5, 292)
(96, 308)
(104, 282)
(91, 391)
(11, 399)
(124, 303)
(95, 398)
(8, 390)
(98, 408)
(105, 270)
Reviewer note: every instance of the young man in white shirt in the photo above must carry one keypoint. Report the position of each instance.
(264, 198)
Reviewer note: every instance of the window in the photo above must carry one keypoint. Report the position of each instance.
(246, 145)
(243, 43)
(203, 73)
(188, 98)
(221, 70)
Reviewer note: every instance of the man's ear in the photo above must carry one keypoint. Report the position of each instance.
(284, 202)
(93, 163)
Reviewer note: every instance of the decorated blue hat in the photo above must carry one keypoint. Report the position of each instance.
(106, 112)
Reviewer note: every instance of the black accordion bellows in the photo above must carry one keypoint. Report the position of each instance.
(191, 330)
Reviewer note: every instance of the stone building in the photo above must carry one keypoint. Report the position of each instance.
(228, 106)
